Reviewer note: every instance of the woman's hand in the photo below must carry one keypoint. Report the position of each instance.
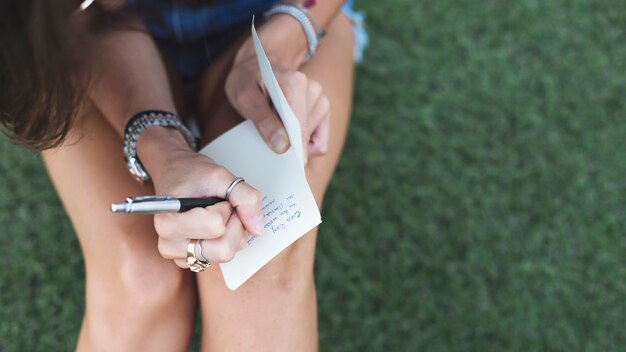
(245, 91)
(181, 172)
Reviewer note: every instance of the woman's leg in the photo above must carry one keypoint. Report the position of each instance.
(135, 299)
(276, 309)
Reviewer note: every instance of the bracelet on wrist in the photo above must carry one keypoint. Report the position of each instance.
(138, 124)
(314, 33)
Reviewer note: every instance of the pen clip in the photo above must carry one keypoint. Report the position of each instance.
(143, 199)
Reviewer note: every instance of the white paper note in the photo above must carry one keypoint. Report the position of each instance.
(289, 208)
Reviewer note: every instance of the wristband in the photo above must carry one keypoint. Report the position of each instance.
(139, 123)
(312, 31)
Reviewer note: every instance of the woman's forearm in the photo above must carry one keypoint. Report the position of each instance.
(325, 11)
(129, 77)
(284, 39)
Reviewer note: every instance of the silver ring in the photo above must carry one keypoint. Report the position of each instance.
(85, 4)
(196, 264)
(230, 188)
(200, 255)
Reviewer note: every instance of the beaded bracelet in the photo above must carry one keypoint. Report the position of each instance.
(139, 123)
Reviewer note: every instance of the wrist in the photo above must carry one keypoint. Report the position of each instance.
(158, 147)
(283, 39)
(308, 24)
(141, 123)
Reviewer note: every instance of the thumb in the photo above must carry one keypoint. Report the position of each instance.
(254, 105)
(271, 129)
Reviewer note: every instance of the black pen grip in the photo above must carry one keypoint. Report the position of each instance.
(190, 203)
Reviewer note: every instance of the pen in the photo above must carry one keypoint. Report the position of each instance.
(161, 204)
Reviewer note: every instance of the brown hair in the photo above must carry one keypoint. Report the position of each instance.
(41, 70)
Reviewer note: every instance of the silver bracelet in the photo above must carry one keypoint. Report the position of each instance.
(311, 29)
(139, 123)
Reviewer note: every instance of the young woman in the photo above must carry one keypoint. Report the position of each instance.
(78, 79)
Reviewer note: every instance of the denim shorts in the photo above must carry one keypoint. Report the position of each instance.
(192, 36)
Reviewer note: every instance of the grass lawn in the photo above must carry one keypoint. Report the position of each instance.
(480, 204)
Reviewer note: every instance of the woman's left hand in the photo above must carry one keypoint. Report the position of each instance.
(246, 93)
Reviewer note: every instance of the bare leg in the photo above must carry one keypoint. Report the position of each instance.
(135, 299)
(276, 309)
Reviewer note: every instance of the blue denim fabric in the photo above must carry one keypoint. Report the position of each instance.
(361, 39)
(193, 35)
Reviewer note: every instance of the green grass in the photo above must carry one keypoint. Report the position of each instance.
(479, 205)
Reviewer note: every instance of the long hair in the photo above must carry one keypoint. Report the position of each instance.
(44, 66)
(42, 74)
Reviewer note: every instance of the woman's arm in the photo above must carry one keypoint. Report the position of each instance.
(286, 45)
(130, 77)
(284, 39)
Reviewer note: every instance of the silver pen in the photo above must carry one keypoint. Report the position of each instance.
(161, 204)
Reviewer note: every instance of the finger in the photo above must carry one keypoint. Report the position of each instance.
(319, 140)
(244, 241)
(209, 222)
(244, 198)
(223, 249)
(319, 122)
(173, 248)
(298, 90)
(182, 263)
(254, 105)
(236, 233)
(247, 203)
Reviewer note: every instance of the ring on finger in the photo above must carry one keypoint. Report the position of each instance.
(230, 188)
(200, 255)
(196, 264)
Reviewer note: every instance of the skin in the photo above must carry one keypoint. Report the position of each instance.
(138, 298)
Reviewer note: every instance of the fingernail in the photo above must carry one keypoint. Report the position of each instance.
(259, 225)
(279, 142)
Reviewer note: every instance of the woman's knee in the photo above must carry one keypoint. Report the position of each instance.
(292, 269)
(151, 280)
(291, 272)
(136, 277)
(136, 298)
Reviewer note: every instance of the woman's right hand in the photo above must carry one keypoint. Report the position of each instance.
(223, 227)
